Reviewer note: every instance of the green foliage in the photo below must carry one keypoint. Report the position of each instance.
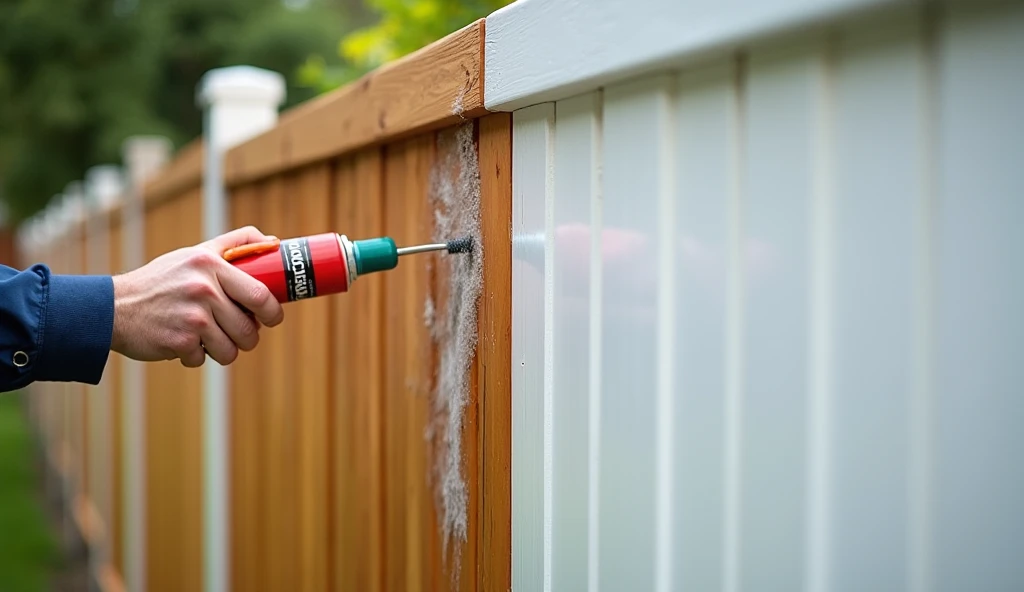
(28, 550)
(79, 76)
(404, 26)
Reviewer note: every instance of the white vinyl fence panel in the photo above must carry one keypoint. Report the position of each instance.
(768, 315)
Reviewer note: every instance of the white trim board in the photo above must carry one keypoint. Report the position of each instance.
(546, 50)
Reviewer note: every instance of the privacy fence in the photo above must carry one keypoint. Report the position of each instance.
(744, 315)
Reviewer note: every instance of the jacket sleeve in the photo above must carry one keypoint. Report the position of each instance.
(53, 327)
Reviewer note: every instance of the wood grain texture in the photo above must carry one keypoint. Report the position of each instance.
(162, 477)
(359, 383)
(494, 355)
(183, 174)
(280, 539)
(173, 423)
(431, 88)
(413, 541)
(311, 198)
(248, 404)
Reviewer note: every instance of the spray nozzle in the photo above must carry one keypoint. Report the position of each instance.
(381, 254)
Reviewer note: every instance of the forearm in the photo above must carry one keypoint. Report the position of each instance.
(54, 328)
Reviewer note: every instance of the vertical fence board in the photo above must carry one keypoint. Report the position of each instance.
(280, 544)
(163, 478)
(636, 123)
(173, 430)
(705, 112)
(879, 90)
(359, 387)
(310, 196)
(494, 355)
(469, 430)
(189, 433)
(248, 399)
(575, 146)
(977, 480)
(396, 405)
(413, 548)
(532, 130)
(780, 115)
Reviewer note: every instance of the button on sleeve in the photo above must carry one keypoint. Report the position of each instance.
(22, 299)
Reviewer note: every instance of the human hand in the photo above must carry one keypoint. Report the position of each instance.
(188, 299)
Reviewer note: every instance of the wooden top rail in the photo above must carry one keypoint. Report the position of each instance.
(432, 88)
(183, 173)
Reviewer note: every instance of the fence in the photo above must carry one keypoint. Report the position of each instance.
(329, 478)
(754, 327)
(764, 285)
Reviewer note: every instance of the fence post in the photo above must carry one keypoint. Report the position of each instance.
(143, 157)
(103, 190)
(239, 102)
(73, 213)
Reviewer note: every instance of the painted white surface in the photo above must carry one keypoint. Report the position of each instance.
(532, 163)
(239, 102)
(634, 116)
(880, 89)
(705, 144)
(845, 394)
(576, 151)
(977, 520)
(779, 160)
(544, 50)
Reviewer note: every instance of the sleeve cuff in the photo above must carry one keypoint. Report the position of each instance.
(78, 325)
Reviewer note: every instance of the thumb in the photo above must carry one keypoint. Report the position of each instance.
(246, 235)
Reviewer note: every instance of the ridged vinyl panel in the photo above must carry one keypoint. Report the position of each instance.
(767, 318)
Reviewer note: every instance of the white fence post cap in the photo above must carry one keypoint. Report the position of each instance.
(246, 84)
(104, 184)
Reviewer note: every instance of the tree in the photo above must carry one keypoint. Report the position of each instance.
(77, 77)
(403, 27)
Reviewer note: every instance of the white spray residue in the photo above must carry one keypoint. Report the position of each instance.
(455, 198)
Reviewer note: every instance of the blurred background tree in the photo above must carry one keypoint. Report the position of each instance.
(77, 77)
(402, 27)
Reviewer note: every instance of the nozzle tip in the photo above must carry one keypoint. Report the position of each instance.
(460, 245)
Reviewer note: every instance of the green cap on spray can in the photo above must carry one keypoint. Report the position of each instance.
(375, 254)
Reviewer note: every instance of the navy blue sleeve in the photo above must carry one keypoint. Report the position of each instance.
(53, 327)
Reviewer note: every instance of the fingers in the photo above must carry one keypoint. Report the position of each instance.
(251, 294)
(225, 306)
(193, 358)
(201, 335)
(241, 328)
(236, 238)
(187, 346)
(218, 345)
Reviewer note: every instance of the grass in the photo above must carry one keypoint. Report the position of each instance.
(28, 550)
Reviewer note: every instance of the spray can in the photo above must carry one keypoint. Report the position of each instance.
(322, 264)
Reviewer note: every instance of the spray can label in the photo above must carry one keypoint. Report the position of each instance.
(300, 281)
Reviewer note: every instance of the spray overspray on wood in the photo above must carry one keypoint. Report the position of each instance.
(455, 198)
